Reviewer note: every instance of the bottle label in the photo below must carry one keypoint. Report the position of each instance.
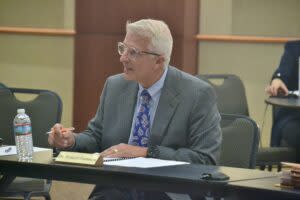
(22, 129)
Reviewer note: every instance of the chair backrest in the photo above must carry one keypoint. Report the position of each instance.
(231, 93)
(240, 141)
(45, 110)
(2, 85)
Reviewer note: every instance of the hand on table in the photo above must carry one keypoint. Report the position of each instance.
(277, 87)
(125, 150)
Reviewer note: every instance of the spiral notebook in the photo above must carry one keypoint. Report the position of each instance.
(111, 159)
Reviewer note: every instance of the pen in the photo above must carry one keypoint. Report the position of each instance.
(7, 150)
(63, 130)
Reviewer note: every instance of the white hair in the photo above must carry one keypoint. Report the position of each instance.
(158, 32)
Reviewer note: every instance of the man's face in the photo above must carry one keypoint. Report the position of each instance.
(138, 65)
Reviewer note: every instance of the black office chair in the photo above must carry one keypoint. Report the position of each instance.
(45, 110)
(230, 92)
(273, 156)
(232, 100)
(1, 87)
(240, 141)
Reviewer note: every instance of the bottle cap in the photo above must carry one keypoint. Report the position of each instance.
(21, 111)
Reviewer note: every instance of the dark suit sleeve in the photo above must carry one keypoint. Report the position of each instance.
(288, 67)
(203, 133)
(90, 139)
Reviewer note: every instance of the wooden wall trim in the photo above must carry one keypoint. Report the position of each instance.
(37, 31)
(248, 39)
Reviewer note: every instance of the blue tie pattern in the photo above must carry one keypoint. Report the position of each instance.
(142, 122)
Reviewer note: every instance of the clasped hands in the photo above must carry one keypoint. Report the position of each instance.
(64, 138)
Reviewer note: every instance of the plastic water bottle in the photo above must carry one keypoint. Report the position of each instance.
(23, 136)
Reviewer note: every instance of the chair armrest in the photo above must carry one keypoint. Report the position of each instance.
(275, 155)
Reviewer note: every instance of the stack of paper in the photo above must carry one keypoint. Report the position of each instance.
(141, 162)
(291, 177)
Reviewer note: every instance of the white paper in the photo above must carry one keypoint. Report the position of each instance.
(143, 162)
(11, 150)
(296, 92)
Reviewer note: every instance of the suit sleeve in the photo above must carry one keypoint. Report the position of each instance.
(287, 65)
(204, 133)
(90, 139)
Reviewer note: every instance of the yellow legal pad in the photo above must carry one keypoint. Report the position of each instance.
(91, 159)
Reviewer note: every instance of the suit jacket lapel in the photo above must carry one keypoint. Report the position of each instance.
(126, 105)
(166, 108)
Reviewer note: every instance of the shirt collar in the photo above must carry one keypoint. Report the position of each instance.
(157, 86)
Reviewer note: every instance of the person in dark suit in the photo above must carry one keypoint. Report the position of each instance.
(181, 121)
(286, 125)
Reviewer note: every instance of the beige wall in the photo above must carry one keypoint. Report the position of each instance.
(253, 62)
(42, 62)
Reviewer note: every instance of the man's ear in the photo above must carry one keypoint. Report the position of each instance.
(160, 60)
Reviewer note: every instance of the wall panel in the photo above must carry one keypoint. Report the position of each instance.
(100, 24)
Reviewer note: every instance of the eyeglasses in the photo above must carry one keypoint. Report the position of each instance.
(132, 52)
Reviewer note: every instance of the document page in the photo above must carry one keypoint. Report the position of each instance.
(141, 162)
(11, 150)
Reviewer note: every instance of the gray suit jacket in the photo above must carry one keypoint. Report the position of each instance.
(185, 127)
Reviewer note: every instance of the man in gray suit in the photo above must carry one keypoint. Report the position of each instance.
(150, 110)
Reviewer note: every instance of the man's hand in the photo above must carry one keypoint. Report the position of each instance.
(125, 150)
(61, 137)
(277, 87)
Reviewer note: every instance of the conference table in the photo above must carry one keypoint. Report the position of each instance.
(287, 102)
(190, 178)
